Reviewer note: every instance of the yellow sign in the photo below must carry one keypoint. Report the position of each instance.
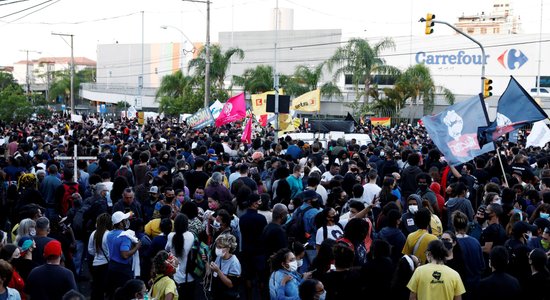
(310, 101)
(141, 118)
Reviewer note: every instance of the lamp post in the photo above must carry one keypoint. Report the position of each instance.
(72, 68)
(207, 48)
(28, 79)
(183, 44)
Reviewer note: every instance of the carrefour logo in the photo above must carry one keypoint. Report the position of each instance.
(512, 59)
(458, 58)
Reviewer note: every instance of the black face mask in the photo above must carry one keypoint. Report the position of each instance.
(169, 199)
(422, 186)
(448, 245)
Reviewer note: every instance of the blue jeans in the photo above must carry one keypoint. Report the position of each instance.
(79, 256)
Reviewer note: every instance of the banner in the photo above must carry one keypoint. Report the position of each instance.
(539, 136)
(331, 125)
(200, 119)
(310, 101)
(384, 121)
(233, 110)
(285, 123)
(247, 132)
(516, 108)
(454, 130)
(216, 109)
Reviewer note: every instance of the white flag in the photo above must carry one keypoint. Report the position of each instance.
(539, 136)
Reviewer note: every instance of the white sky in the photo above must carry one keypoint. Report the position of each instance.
(107, 21)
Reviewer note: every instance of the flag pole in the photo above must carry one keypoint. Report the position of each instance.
(502, 166)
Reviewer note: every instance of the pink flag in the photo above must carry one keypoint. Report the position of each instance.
(233, 110)
(247, 132)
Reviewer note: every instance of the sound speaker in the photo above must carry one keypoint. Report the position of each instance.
(284, 104)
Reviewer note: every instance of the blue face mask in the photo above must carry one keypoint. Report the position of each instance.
(323, 295)
(544, 215)
(518, 211)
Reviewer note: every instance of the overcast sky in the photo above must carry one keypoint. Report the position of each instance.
(109, 21)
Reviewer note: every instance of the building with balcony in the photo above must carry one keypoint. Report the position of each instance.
(500, 20)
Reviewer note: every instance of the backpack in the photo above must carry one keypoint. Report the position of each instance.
(67, 200)
(196, 266)
(295, 228)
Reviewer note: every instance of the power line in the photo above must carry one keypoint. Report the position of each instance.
(25, 9)
(32, 12)
(2, 4)
(82, 22)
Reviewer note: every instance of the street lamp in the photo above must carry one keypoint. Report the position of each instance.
(28, 81)
(72, 68)
(207, 48)
(183, 44)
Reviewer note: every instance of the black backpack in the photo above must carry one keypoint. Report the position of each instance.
(295, 228)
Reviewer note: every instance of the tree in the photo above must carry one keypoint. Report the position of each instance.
(362, 61)
(218, 68)
(6, 80)
(257, 80)
(14, 105)
(307, 79)
(177, 94)
(418, 84)
(61, 82)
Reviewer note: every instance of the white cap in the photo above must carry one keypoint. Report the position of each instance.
(119, 216)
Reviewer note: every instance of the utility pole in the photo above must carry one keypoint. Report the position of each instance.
(140, 78)
(275, 74)
(28, 76)
(72, 68)
(207, 51)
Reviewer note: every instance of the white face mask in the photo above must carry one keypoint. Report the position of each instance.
(413, 208)
(291, 207)
(220, 252)
(242, 148)
(325, 161)
(293, 266)
(467, 194)
(32, 232)
(323, 296)
(300, 262)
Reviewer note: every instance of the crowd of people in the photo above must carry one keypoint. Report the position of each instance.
(166, 212)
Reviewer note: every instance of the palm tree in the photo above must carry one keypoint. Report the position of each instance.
(361, 60)
(219, 63)
(177, 94)
(257, 80)
(418, 83)
(306, 79)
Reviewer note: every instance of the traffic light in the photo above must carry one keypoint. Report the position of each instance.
(429, 23)
(487, 88)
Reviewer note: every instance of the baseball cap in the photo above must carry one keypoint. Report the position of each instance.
(52, 248)
(119, 216)
(101, 187)
(25, 243)
(309, 194)
(522, 227)
(154, 189)
(163, 169)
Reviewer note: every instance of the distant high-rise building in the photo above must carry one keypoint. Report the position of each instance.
(500, 21)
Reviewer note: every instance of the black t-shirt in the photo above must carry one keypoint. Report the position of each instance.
(344, 285)
(493, 233)
(49, 282)
(273, 239)
(195, 179)
(24, 267)
(38, 253)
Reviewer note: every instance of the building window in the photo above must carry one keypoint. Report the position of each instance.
(496, 30)
(483, 30)
(471, 30)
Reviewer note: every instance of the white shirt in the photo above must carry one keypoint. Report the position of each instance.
(188, 239)
(228, 150)
(326, 177)
(101, 257)
(371, 190)
(323, 193)
(334, 232)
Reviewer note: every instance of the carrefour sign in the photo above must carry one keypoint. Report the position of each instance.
(459, 58)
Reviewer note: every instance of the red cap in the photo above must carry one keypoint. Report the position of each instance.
(52, 248)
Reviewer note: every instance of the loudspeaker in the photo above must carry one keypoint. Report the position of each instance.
(284, 104)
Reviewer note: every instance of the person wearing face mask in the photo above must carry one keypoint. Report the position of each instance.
(225, 269)
(169, 200)
(285, 279)
(459, 203)
(121, 251)
(517, 245)
(494, 234)
(199, 198)
(423, 181)
(407, 219)
(435, 280)
(312, 289)
(164, 286)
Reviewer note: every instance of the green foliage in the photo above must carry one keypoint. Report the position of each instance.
(180, 94)
(257, 80)
(7, 80)
(14, 105)
(61, 82)
(219, 64)
(361, 60)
